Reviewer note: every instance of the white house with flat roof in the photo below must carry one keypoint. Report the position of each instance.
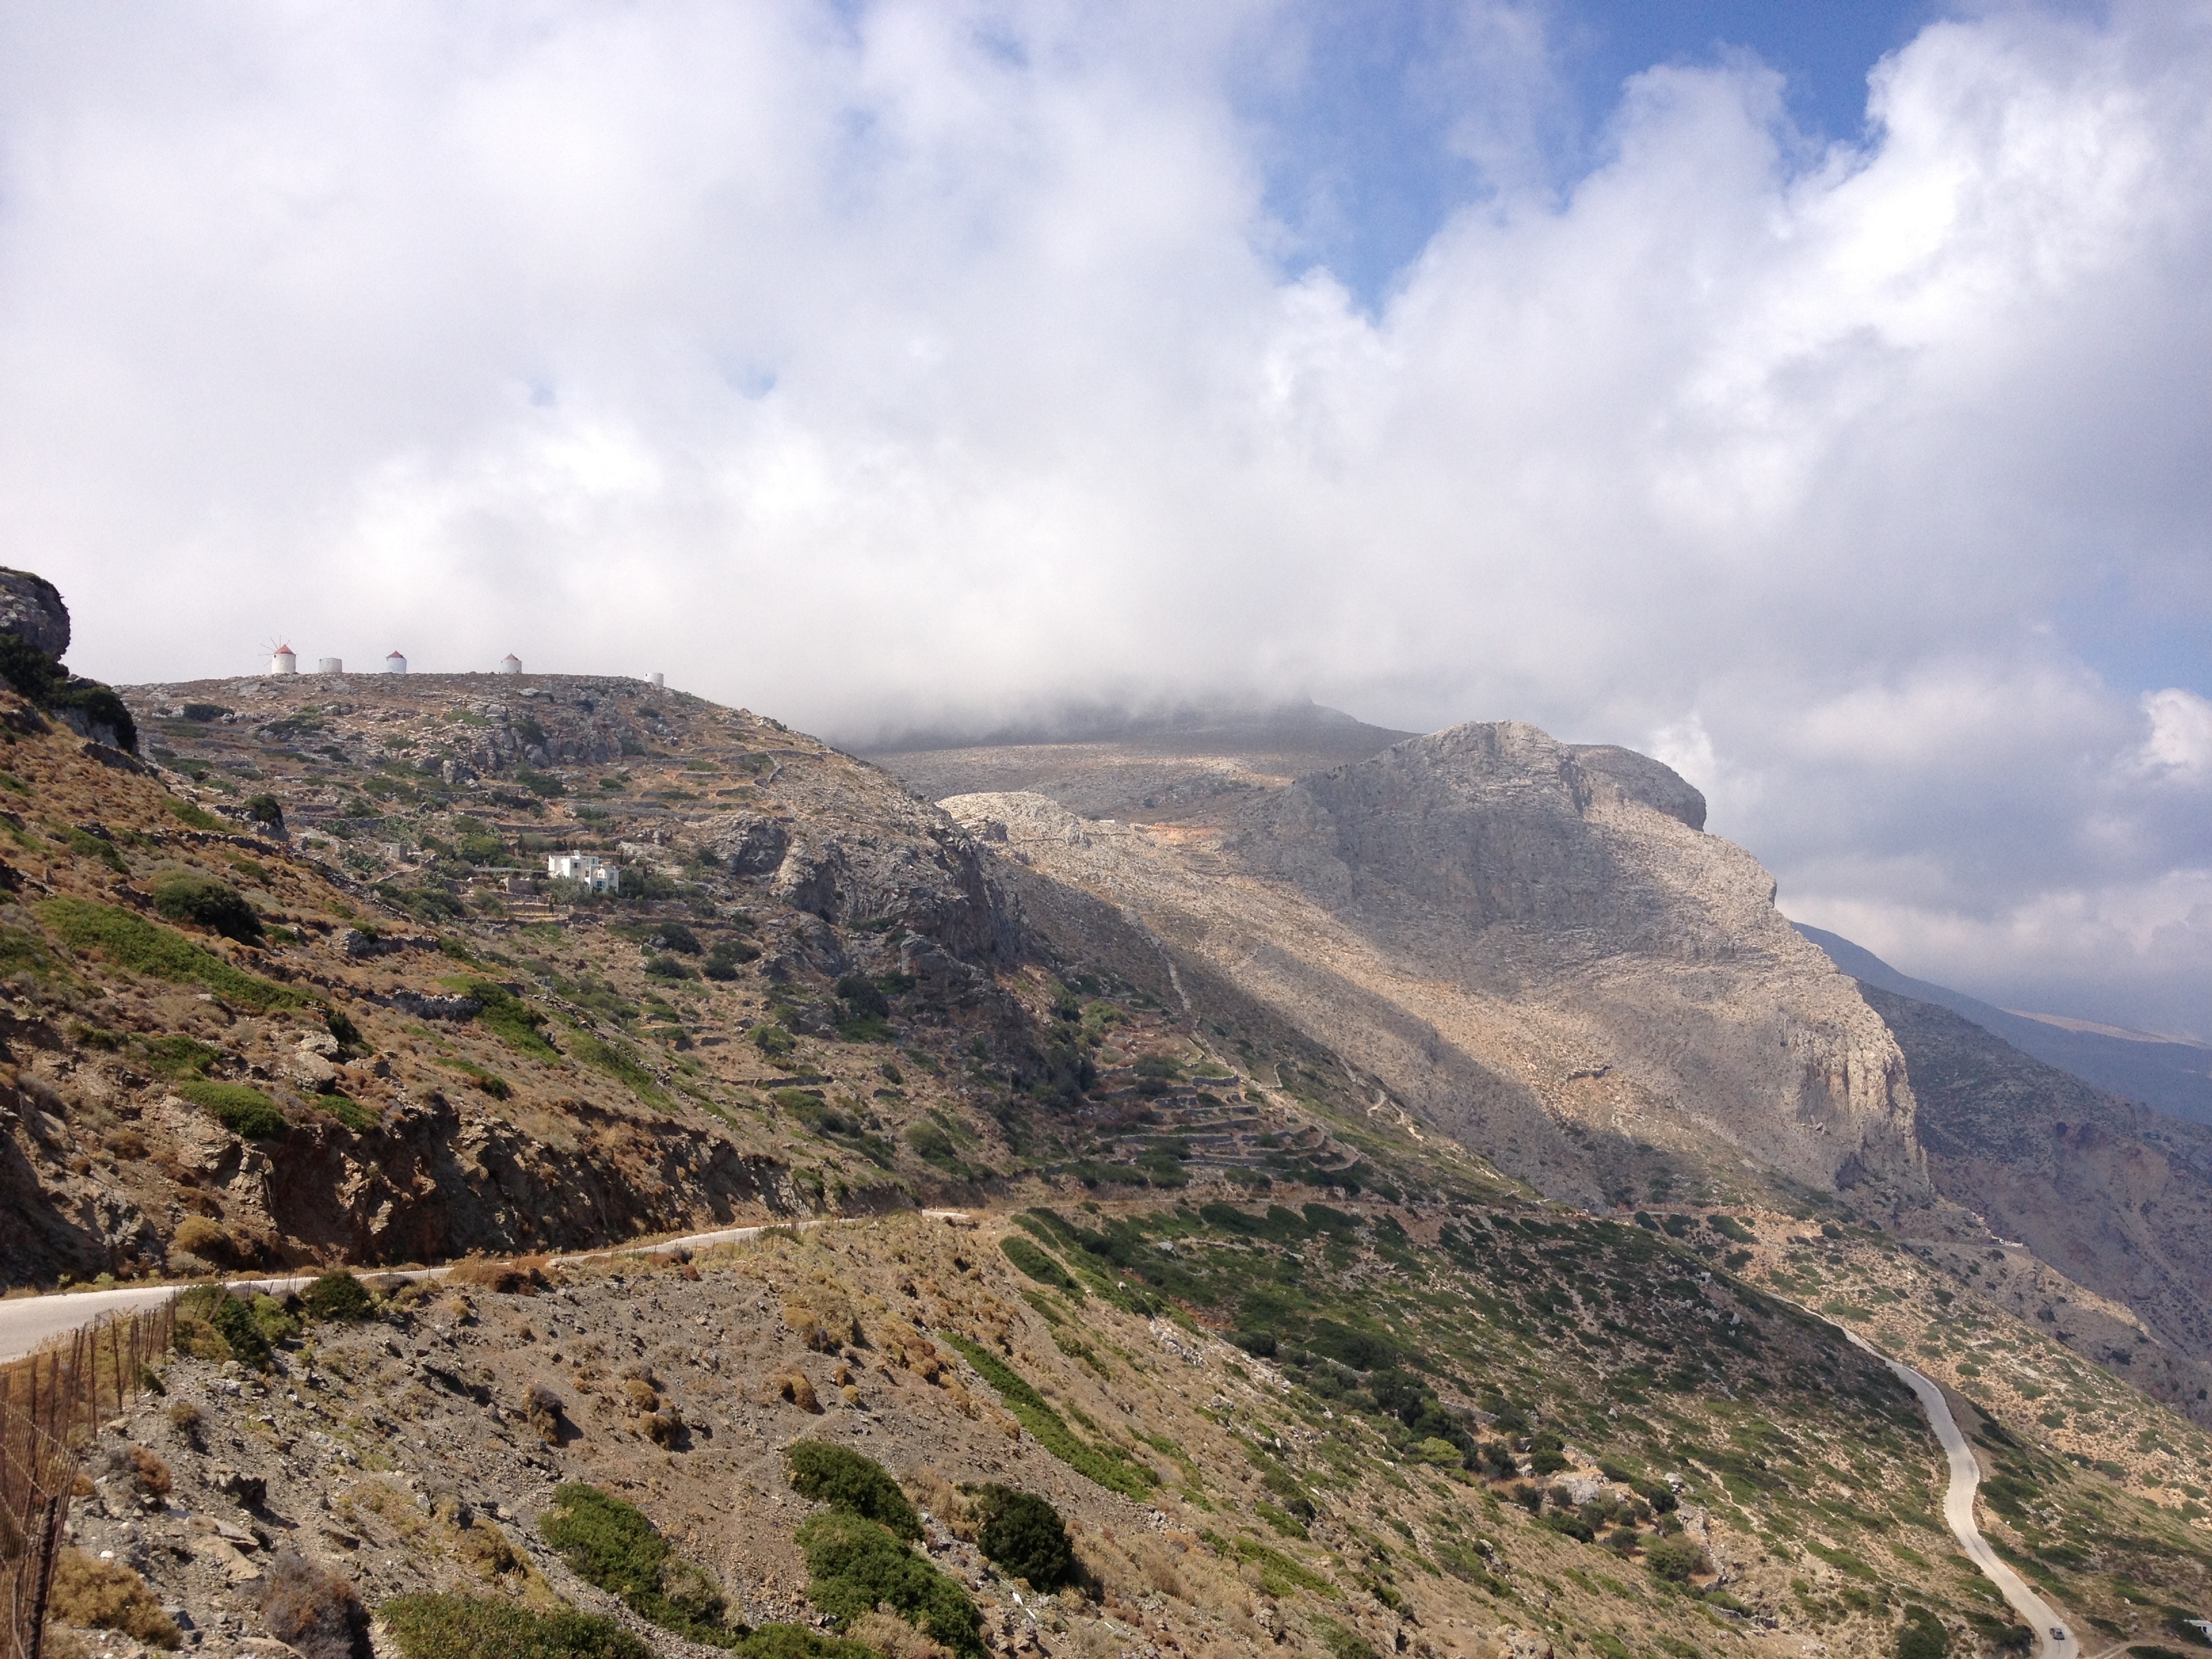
(592, 871)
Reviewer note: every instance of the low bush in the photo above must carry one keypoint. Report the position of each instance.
(202, 1238)
(476, 1627)
(233, 1322)
(1109, 1466)
(132, 942)
(241, 1110)
(610, 1545)
(338, 1296)
(1676, 1560)
(510, 1019)
(1922, 1636)
(98, 1594)
(772, 1041)
(843, 1479)
(856, 1566)
(500, 1278)
(207, 902)
(1023, 1534)
(312, 1609)
(1036, 1263)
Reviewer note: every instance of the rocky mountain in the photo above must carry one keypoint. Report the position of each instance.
(2172, 1077)
(1529, 944)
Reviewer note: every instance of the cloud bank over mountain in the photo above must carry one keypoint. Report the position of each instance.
(910, 362)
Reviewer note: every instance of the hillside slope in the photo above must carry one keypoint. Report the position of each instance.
(2117, 1197)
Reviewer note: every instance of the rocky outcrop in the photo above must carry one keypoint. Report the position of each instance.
(31, 609)
(1531, 943)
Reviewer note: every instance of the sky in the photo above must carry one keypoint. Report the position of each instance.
(1812, 395)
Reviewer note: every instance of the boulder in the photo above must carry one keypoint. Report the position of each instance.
(31, 608)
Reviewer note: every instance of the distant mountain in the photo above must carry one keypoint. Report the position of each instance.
(2169, 1076)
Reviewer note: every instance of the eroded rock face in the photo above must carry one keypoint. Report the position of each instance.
(1531, 943)
(31, 608)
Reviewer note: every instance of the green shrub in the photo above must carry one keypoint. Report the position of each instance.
(1547, 1453)
(621, 1064)
(510, 1018)
(1342, 1642)
(1922, 1636)
(797, 1642)
(241, 1110)
(842, 1478)
(1035, 1262)
(772, 1041)
(727, 955)
(1023, 1533)
(1675, 1559)
(666, 968)
(1111, 1467)
(130, 942)
(242, 1333)
(264, 808)
(338, 1296)
(610, 1545)
(98, 848)
(272, 1319)
(214, 905)
(476, 1627)
(196, 817)
(348, 1110)
(173, 1057)
(856, 1566)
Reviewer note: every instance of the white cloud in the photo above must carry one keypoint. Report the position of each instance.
(2180, 741)
(873, 364)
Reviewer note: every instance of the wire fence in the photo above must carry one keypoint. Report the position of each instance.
(50, 1403)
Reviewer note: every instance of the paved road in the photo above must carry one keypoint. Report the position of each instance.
(2054, 1637)
(30, 1322)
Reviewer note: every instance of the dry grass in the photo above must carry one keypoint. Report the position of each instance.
(197, 1236)
(313, 1610)
(932, 1492)
(95, 1595)
(895, 1639)
(525, 1277)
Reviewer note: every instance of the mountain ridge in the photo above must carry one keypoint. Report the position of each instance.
(2169, 1076)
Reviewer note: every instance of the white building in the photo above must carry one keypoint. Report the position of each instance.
(283, 662)
(593, 872)
(330, 665)
(510, 663)
(395, 664)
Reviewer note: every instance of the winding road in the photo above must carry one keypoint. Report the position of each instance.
(2054, 1637)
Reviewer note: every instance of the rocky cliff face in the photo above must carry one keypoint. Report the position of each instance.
(1533, 944)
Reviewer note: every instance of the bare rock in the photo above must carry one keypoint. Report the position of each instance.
(31, 608)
